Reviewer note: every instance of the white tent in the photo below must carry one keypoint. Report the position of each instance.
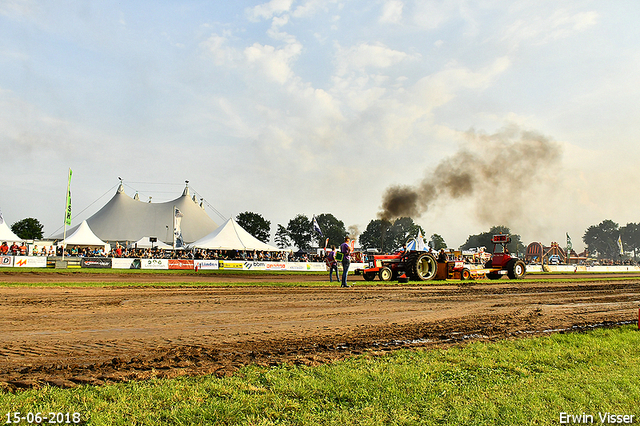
(128, 219)
(6, 234)
(145, 243)
(231, 236)
(84, 236)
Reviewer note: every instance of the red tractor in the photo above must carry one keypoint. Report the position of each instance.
(416, 265)
(502, 263)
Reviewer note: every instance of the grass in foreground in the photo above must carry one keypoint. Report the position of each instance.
(528, 381)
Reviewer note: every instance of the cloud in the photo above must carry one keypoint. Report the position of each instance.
(392, 12)
(268, 10)
(274, 63)
(18, 8)
(216, 46)
(539, 29)
(364, 55)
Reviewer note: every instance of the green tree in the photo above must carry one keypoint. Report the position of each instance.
(484, 240)
(299, 229)
(28, 229)
(255, 224)
(331, 228)
(282, 237)
(371, 238)
(437, 242)
(630, 234)
(387, 236)
(602, 239)
(400, 232)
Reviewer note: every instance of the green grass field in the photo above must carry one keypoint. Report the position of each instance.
(526, 381)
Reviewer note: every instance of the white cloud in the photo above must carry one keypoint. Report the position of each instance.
(439, 88)
(541, 29)
(273, 62)
(268, 10)
(392, 11)
(364, 55)
(18, 8)
(217, 47)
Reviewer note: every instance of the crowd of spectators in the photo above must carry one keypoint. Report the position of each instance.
(120, 251)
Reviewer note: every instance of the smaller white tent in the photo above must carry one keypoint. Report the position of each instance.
(145, 243)
(84, 236)
(231, 236)
(7, 235)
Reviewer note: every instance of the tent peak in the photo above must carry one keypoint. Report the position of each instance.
(186, 189)
(120, 189)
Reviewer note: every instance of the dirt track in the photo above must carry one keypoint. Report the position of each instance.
(70, 335)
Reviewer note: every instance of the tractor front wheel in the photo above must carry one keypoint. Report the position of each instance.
(368, 276)
(385, 274)
(465, 274)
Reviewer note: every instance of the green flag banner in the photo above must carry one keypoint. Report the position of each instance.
(67, 218)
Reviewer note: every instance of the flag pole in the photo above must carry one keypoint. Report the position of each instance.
(67, 215)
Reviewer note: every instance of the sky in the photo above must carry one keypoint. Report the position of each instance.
(307, 107)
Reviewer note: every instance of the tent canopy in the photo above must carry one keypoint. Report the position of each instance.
(144, 242)
(128, 219)
(231, 236)
(84, 236)
(7, 235)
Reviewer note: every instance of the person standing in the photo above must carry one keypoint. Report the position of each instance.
(332, 264)
(345, 249)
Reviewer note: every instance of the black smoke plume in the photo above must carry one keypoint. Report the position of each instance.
(493, 172)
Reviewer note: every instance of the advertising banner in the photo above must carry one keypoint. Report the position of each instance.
(297, 266)
(180, 264)
(30, 262)
(231, 265)
(205, 264)
(125, 263)
(96, 262)
(154, 263)
(6, 261)
(255, 266)
(276, 266)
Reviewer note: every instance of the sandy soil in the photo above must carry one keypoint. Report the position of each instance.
(72, 335)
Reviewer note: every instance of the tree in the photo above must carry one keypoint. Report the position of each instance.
(437, 242)
(484, 240)
(387, 236)
(299, 229)
(331, 228)
(603, 239)
(255, 224)
(400, 232)
(630, 234)
(282, 237)
(28, 229)
(372, 236)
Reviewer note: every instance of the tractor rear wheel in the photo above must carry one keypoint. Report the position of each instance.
(516, 269)
(385, 274)
(421, 266)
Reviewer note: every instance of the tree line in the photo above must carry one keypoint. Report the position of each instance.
(605, 241)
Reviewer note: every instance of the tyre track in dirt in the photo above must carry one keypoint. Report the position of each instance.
(73, 335)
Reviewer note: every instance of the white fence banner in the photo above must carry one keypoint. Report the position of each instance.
(125, 263)
(30, 262)
(205, 264)
(154, 263)
(6, 261)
